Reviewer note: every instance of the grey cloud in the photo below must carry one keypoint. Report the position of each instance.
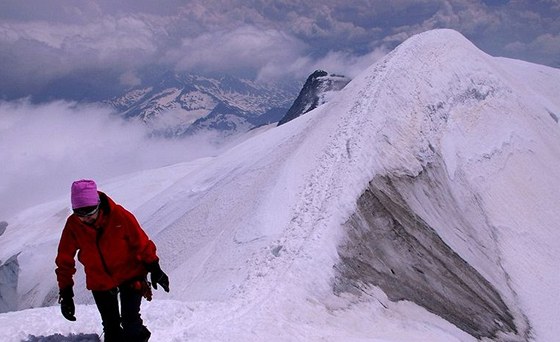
(83, 11)
(35, 53)
(517, 29)
(525, 30)
(40, 41)
(245, 48)
(103, 40)
(542, 49)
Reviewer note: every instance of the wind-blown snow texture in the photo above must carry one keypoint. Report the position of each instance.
(260, 242)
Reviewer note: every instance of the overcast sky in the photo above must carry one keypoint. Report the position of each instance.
(45, 43)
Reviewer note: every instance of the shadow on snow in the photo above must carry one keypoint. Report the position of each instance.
(62, 338)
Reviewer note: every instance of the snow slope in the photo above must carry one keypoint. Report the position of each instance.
(251, 238)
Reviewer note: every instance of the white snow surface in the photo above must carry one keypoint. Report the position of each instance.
(249, 237)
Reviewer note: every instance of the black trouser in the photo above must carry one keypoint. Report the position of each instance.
(126, 325)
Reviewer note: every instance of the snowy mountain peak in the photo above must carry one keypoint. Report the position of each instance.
(180, 103)
(446, 129)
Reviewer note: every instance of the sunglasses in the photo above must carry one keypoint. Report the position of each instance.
(86, 211)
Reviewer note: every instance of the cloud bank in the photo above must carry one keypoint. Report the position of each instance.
(46, 147)
(246, 49)
(44, 42)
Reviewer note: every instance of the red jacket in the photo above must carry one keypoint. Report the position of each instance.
(113, 251)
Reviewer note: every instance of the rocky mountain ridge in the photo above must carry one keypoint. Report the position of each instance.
(180, 104)
(320, 85)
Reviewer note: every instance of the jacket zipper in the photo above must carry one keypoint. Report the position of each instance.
(98, 237)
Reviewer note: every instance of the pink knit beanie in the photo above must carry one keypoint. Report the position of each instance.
(84, 194)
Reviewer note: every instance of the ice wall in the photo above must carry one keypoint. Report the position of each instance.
(9, 271)
(391, 246)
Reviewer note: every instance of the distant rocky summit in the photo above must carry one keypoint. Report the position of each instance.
(315, 92)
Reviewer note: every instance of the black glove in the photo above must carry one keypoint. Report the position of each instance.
(67, 303)
(157, 276)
